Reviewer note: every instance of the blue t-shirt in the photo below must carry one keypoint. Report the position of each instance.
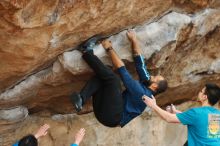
(203, 125)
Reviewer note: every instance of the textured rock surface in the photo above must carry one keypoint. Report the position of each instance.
(39, 66)
(175, 39)
(35, 32)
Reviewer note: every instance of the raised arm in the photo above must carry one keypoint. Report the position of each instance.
(79, 137)
(130, 84)
(136, 50)
(141, 68)
(42, 131)
(117, 62)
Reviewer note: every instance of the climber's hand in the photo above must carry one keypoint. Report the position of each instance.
(106, 44)
(131, 35)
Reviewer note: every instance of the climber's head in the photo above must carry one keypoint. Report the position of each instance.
(210, 94)
(29, 140)
(158, 84)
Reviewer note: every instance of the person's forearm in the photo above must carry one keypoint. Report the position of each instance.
(117, 62)
(163, 114)
(135, 47)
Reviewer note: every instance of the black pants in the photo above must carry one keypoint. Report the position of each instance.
(105, 88)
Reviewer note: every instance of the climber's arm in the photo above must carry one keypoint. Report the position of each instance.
(117, 62)
(140, 65)
(136, 50)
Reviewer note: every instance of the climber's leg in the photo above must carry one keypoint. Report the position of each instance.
(108, 103)
(91, 87)
(102, 71)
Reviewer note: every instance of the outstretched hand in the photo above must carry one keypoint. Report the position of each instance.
(79, 136)
(42, 131)
(150, 102)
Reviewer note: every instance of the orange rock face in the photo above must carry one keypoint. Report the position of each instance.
(33, 33)
(40, 66)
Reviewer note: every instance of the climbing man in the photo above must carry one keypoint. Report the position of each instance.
(32, 140)
(112, 107)
(203, 123)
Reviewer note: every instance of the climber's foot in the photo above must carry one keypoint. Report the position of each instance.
(77, 101)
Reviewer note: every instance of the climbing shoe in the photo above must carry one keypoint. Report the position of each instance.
(89, 44)
(77, 102)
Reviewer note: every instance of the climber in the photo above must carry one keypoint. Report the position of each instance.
(112, 107)
(32, 140)
(203, 123)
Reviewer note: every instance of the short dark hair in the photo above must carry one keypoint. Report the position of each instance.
(29, 140)
(213, 93)
(162, 86)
